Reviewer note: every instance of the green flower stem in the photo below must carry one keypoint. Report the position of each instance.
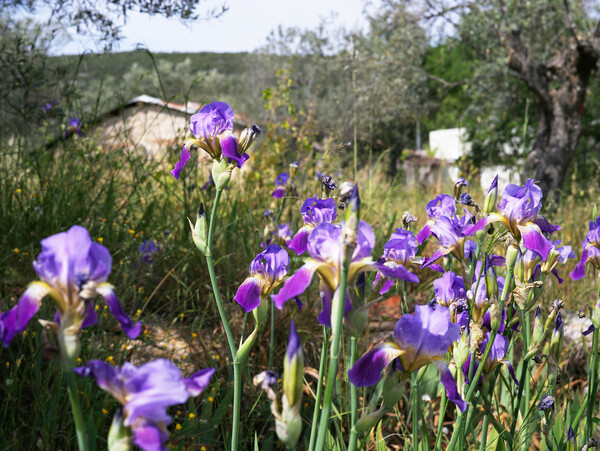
(500, 429)
(334, 353)
(237, 377)
(76, 410)
(593, 389)
(577, 418)
(523, 377)
(467, 427)
(213, 278)
(461, 439)
(440, 428)
(237, 402)
(593, 378)
(461, 417)
(272, 337)
(272, 334)
(353, 396)
(415, 412)
(527, 342)
(517, 405)
(484, 431)
(315, 419)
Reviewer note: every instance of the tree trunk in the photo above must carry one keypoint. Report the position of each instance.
(560, 119)
(557, 138)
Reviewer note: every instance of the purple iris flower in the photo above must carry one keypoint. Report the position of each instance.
(591, 250)
(449, 291)
(146, 249)
(284, 233)
(48, 106)
(558, 254)
(398, 252)
(530, 261)
(73, 271)
(420, 339)
(281, 183)
(451, 234)
(482, 301)
(496, 357)
(314, 211)
(442, 206)
(546, 403)
(325, 251)
(212, 128)
(470, 250)
(73, 127)
(519, 211)
(267, 271)
(145, 393)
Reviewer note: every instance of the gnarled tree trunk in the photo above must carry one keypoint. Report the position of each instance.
(560, 115)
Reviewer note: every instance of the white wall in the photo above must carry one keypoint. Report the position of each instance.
(449, 144)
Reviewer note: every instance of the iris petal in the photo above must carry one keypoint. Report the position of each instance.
(449, 384)
(131, 330)
(534, 240)
(367, 370)
(198, 381)
(396, 271)
(15, 320)
(149, 436)
(299, 243)
(248, 294)
(295, 285)
(579, 271)
(183, 159)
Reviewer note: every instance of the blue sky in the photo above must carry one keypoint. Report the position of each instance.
(244, 27)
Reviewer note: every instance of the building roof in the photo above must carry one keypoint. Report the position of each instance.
(189, 107)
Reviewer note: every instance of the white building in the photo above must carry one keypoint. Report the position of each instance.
(451, 144)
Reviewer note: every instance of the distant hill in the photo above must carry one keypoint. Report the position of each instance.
(93, 65)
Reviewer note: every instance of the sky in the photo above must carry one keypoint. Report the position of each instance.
(243, 28)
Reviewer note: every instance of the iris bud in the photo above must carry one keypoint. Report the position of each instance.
(260, 313)
(293, 368)
(289, 425)
(491, 283)
(293, 168)
(557, 338)
(200, 231)
(458, 186)
(119, 435)
(247, 137)
(221, 173)
(460, 352)
(491, 198)
(244, 349)
(68, 340)
(495, 316)
(519, 269)
(511, 256)
(538, 335)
